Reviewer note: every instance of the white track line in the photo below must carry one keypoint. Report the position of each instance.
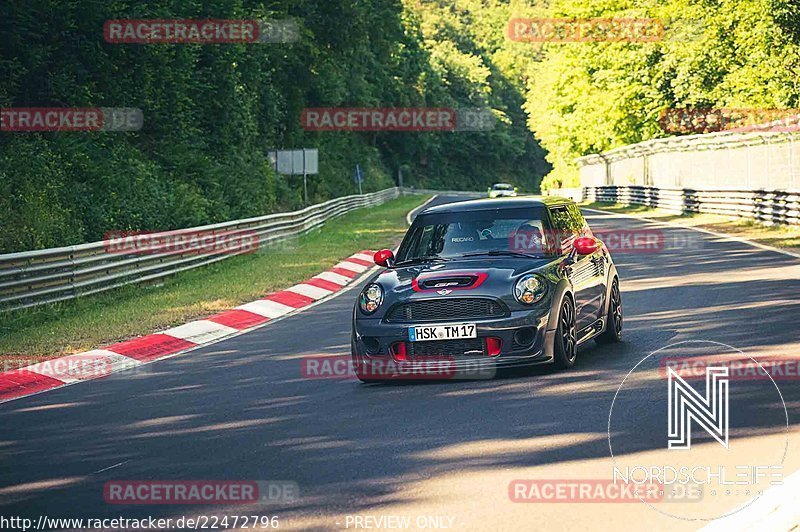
(413, 212)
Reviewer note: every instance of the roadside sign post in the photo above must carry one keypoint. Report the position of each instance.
(305, 189)
(303, 162)
(359, 178)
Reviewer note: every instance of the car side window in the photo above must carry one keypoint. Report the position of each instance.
(565, 228)
(578, 220)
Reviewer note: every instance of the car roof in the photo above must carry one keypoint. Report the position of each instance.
(498, 203)
(502, 185)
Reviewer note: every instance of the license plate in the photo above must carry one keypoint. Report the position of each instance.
(428, 333)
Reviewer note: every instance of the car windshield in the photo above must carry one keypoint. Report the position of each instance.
(503, 187)
(511, 232)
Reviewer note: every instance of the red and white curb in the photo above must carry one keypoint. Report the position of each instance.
(55, 373)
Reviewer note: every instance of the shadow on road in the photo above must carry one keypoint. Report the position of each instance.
(241, 409)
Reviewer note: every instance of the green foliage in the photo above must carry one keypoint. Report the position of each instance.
(589, 97)
(212, 112)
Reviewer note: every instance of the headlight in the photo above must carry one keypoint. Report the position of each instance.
(371, 298)
(529, 289)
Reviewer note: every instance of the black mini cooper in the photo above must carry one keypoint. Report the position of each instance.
(502, 282)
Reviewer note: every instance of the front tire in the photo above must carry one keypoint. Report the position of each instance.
(613, 332)
(565, 350)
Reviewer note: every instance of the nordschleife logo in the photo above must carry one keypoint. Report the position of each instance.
(685, 404)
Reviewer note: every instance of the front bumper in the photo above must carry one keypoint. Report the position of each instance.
(373, 340)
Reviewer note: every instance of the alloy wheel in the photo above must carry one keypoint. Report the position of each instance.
(616, 308)
(568, 334)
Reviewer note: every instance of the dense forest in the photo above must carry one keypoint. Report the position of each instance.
(213, 112)
(714, 54)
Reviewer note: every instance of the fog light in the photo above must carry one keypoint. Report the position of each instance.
(524, 337)
(493, 346)
(398, 350)
(371, 344)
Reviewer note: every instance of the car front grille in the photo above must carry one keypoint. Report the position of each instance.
(447, 348)
(457, 308)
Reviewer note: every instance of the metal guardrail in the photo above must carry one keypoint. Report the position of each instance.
(767, 206)
(461, 193)
(34, 278)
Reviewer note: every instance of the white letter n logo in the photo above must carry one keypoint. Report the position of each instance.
(685, 405)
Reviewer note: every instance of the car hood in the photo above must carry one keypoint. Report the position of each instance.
(481, 277)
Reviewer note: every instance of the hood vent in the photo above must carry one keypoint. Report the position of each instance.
(438, 283)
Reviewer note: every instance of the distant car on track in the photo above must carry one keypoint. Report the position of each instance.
(514, 281)
(502, 190)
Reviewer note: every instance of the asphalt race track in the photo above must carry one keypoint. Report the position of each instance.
(241, 409)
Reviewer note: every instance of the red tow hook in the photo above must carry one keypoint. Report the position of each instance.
(398, 351)
(493, 346)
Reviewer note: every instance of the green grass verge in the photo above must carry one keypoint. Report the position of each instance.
(35, 334)
(779, 236)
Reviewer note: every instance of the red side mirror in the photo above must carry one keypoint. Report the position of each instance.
(384, 258)
(585, 245)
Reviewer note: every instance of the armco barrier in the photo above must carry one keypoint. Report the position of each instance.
(458, 193)
(33, 278)
(767, 206)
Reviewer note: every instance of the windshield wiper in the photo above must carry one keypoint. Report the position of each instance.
(503, 253)
(421, 260)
